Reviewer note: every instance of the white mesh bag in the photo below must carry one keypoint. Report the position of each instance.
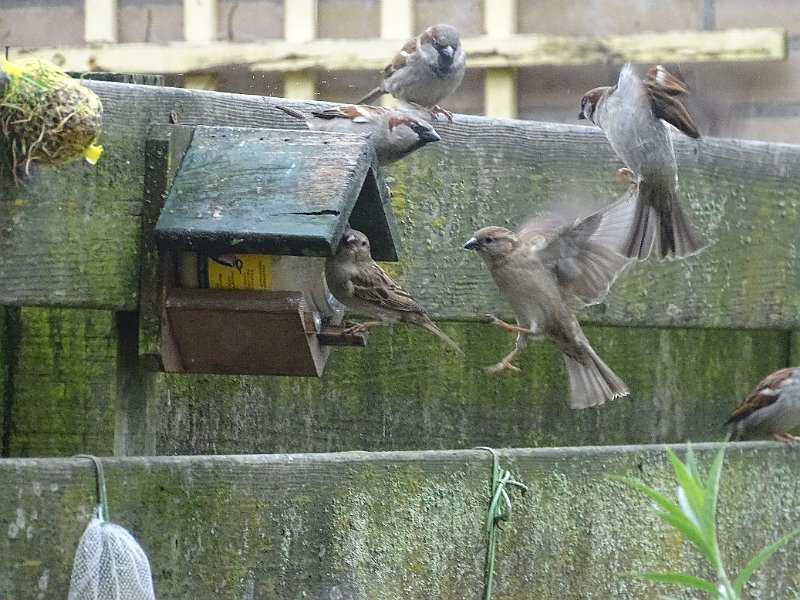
(109, 563)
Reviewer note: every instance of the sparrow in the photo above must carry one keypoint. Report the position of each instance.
(772, 409)
(362, 285)
(632, 115)
(427, 70)
(394, 134)
(539, 269)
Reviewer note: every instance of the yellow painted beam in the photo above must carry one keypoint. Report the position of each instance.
(500, 83)
(100, 21)
(200, 26)
(200, 20)
(397, 23)
(299, 27)
(484, 52)
(500, 93)
(397, 20)
(202, 80)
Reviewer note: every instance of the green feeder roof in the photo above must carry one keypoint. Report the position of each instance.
(276, 192)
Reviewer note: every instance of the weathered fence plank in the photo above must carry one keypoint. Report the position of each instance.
(392, 525)
(404, 392)
(64, 383)
(78, 246)
(74, 240)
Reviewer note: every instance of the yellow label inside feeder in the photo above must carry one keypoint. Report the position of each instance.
(255, 273)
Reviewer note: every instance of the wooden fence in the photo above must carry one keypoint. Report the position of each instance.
(690, 338)
(499, 52)
(395, 525)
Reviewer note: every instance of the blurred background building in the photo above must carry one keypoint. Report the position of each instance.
(530, 59)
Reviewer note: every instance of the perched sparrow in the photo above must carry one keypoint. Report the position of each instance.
(426, 70)
(539, 268)
(360, 284)
(631, 113)
(772, 409)
(393, 133)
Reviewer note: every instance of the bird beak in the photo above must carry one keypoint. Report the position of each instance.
(448, 51)
(350, 239)
(472, 244)
(429, 135)
(581, 116)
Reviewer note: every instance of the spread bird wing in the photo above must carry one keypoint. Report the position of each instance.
(665, 92)
(581, 253)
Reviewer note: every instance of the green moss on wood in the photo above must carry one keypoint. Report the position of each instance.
(393, 525)
(64, 383)
(406, 390)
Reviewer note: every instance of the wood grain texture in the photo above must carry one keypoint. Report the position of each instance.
(393, 525)
(80, 250)
(64, 383)
(743, 196)
(405, 391)
(266, 191)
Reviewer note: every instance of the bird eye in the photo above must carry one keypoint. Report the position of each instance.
(488, 239)
(363, 243)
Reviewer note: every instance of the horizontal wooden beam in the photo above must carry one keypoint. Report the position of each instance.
(483, 52)
(398, 524)
(70, 237)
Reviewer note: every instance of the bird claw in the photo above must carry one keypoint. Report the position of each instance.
(354, 329)
(791, 440)
(437, 110)
(502, 365)
(508, 326)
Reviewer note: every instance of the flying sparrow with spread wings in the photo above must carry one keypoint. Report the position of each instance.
(631, 114)
(427, 70)
(363, 286)
(394, 134)
(772, 409)
(539, 268)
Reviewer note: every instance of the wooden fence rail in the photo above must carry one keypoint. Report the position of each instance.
(393, 525)
(72, 238)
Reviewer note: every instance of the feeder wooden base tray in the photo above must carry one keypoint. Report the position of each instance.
(246, 333)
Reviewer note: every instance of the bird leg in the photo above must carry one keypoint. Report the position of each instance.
(360, 327)
(788, 438)
(508, 326)
(437, 110)
(506, 362)
(625, 175)
(434, 111)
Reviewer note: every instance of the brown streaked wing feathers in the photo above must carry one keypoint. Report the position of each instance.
(399, 61)
(338, 112)
(758, 399)
(375, 286)
(665, 91)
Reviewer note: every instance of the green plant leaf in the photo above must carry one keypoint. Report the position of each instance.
(712, 493)
(680, 579)
(692, 487)
(672, 514)
(759, 558)
(691, 463)
(692, 533)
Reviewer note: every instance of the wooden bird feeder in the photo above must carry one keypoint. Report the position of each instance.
(248, 220)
